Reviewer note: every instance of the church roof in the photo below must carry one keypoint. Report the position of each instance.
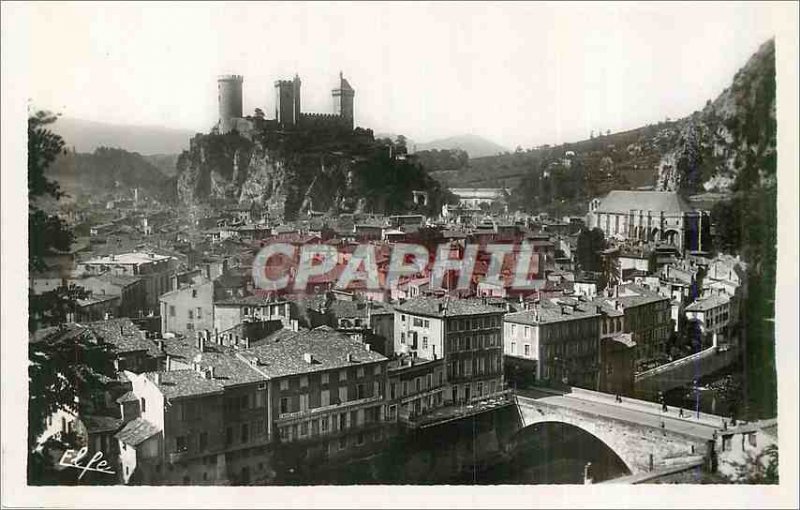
(622, 201)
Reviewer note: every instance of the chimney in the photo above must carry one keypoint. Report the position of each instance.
(308, 358)
(168, 363)
(349, 357)
(254, 361)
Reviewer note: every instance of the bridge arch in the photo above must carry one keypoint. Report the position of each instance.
(608, 440)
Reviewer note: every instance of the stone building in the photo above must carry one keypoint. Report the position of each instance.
(651, 216)
(467, 334)
(555, 340)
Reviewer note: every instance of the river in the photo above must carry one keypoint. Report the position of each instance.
(486, 449)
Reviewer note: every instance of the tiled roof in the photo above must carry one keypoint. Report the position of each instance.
(185, 383)
(137, 431)
(228, 369)
(552, 310)
(434, 307)
(253, 300)
(329, 349)
(127, 397)
(125, 336)
(97, 424)
(704, 304)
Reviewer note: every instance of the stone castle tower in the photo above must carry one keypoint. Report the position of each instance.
(287, 101)
(343, 100)
(229, 89)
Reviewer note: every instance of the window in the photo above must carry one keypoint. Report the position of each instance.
(245, 432)
(417, 384)
(172, 310)
(229, 436)
(323, 424)
(342, 394)
(426, 324)
(343, 375)
(402, 318)
(527, 332)
(304, 402)
(324, 379)
(392, 391)
(402, 337)
(194, 293)
(284, 384)
(342, 421)
(144, 405)
(284, 405)
(513, 329)
(751, 438)
(304, 428)
(359, 391)
(181, 444)
(191, 315)
(424, 342)
(376, 388)
(513, 347)
(203, 440)
(405, 389)
(377, 370)
(325, 398)
(527, 349)
(360, 372)
(199, 312)
(417, 323)
(304, 381)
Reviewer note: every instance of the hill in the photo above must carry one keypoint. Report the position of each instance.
(475, 146)
(727, 145)
(106, 171)
(87, 136)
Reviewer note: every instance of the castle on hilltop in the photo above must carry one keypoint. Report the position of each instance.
(288, 111)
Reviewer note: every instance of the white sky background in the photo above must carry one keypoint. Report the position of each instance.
(515, 73)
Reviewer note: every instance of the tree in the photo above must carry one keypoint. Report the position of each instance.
(66, 366)
(46, 232)
(590, 244)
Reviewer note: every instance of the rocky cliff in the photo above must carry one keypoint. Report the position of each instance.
(293, 172)
(731, 142)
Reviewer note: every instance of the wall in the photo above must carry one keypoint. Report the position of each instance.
(187, 310)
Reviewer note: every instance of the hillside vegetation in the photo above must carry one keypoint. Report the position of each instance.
(728, 145)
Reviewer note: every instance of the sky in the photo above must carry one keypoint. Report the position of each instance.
(515, 73)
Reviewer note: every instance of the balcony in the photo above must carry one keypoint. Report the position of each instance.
(320, 411)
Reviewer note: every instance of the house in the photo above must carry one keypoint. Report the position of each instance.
(712, 314)
(555, 340)
(188, 309)
(466, 333)
(643, 313)
(414, 387)
(156, 271)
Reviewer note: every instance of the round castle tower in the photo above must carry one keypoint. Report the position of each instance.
(229, 87)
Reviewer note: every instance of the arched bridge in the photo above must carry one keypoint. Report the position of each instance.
(640, 433)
